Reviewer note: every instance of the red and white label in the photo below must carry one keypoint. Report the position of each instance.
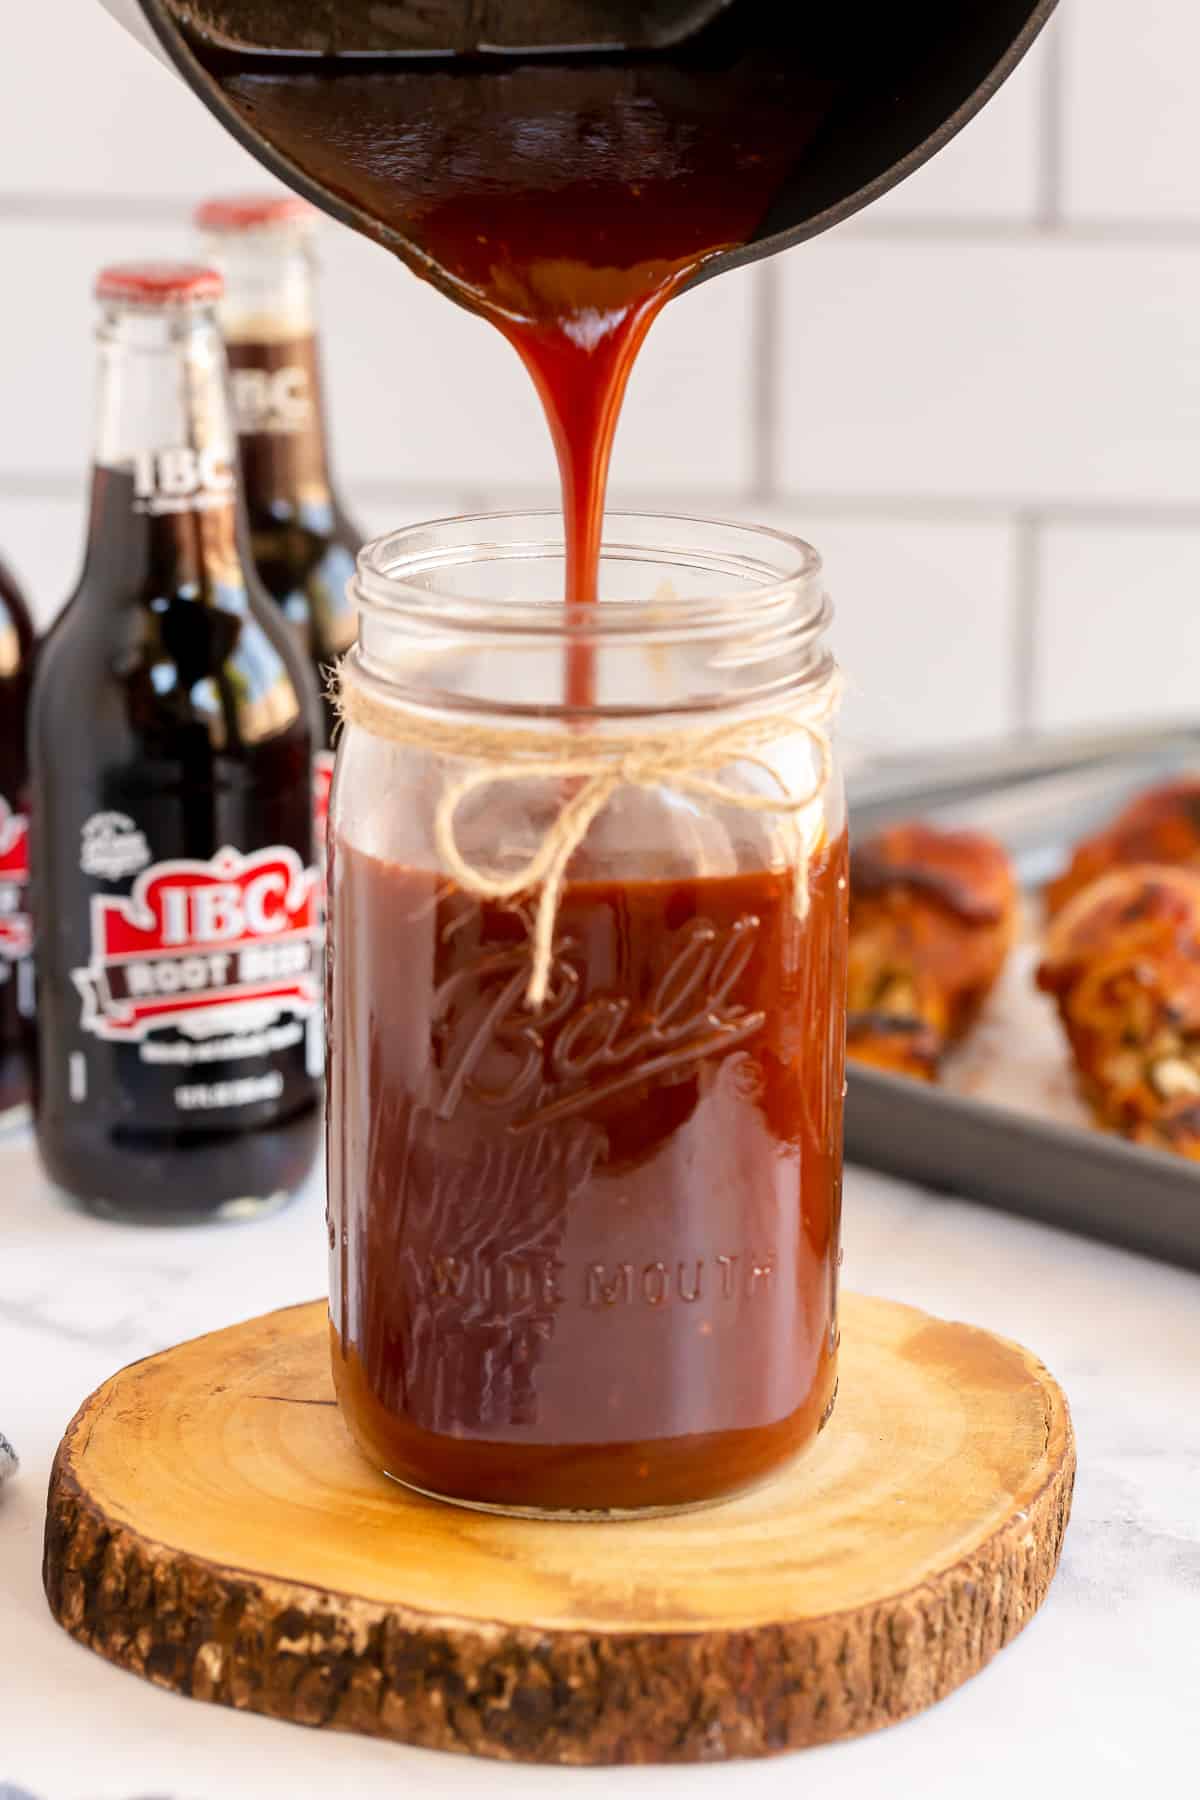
(227, 945)
(16, 926)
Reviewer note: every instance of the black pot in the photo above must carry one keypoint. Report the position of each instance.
(910, 79)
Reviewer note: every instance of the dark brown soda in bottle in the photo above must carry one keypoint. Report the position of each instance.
(303, 539)
(16, 930)
(174, 721)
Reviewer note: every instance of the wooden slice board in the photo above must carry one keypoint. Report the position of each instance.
(212, 1528)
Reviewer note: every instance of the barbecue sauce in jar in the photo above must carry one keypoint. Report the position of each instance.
(583, 1252)
(584, 1257)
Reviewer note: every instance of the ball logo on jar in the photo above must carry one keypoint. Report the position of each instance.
(183, 479)
(16, 927)
(602, 1045)
(204, 947)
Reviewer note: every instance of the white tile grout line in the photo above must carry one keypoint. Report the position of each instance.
(981, 509)
(65, 208)
(765, 391)
(1114, 233)
(1027, 582)
(471, 501)
(1052, 125)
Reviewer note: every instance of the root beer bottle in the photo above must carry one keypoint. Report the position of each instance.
(173, 725)
(16, 934)
(304, 543)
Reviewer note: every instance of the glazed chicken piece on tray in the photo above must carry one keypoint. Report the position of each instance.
(1161, 825)
(1122, 960)
(932, 915)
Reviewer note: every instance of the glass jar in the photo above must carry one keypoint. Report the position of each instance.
(587, 1016)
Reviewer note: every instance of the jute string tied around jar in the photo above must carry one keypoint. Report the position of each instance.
(593, 765)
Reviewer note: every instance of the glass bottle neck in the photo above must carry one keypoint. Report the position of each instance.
(162, 407)
(268, 318)
(165, 508)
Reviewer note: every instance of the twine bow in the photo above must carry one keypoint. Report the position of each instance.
(593, 767)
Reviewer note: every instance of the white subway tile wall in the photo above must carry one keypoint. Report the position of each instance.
(1118, 598)
(1131, 127)
(993, 170)
(981, 399)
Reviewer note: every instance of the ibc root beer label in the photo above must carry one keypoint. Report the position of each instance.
(183, 479)
(216, 950)
(272, 401)
(16, 926)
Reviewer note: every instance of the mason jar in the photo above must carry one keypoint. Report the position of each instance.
(586, 1015)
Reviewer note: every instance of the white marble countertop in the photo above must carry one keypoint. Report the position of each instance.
(1103, 1688)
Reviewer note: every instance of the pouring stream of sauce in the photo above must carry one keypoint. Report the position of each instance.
(564, 201)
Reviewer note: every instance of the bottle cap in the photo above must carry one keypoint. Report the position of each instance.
(159, 283)
(252, 212)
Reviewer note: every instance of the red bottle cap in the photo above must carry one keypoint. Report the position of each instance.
(252, 212)
(158, 283)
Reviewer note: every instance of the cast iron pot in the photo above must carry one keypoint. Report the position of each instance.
(913, 74)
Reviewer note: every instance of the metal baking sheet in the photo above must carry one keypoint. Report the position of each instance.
(1033, 1151)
